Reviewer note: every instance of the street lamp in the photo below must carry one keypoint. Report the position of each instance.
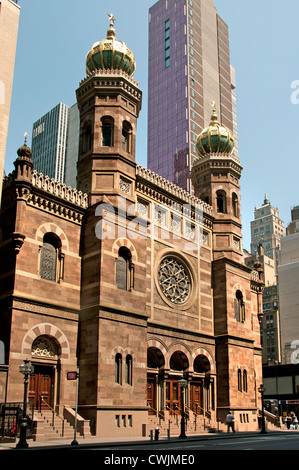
(262, 390)
(26, 369)
(183, 385)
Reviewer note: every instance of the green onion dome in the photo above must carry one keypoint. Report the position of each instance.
(215, 138)
(110, 54)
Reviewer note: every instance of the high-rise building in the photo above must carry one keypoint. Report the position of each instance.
(49, 141)
(189, 67)
(270, 323)
(266, 230)
(72, 147)
(288, 273)
(9, 24)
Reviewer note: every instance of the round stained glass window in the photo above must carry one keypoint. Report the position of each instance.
(174, 280)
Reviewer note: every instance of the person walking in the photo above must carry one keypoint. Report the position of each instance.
(294, 421)
(230, 421)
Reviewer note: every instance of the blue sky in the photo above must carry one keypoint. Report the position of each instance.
(55, 36)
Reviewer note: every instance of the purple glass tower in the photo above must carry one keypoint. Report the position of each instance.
(189, 67)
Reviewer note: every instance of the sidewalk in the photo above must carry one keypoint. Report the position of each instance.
(63, 444)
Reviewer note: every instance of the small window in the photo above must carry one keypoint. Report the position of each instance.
(235, 202)
(129, 370)
(239, 380)
(126, 136)
(86, 138)
(51, 258)
(124, 270)
(221, 202)
(118, 369)
(239, 307)
(245, 380)
(107, 131)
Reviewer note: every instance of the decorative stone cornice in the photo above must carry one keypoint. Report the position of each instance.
(173, 190)
(110, 73)
(55, 188)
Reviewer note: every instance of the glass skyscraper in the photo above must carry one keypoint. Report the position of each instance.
(189, 67)
(49, 142)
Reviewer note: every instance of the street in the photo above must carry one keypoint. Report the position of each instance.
(271, 441)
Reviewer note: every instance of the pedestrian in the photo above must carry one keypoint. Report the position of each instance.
(294, 421)
(288, 421)
(230, 421)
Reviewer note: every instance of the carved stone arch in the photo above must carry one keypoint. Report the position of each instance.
(239, 287)
(157, 349)
(182, 349)
(129, 351)
(46, 329)
(124, 242)
(117, 350)
(52, 228)
(204, 352)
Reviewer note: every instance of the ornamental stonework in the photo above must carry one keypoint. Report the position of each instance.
(174, 280)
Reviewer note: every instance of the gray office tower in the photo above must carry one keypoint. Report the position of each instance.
(189, 68)
(55, 138)
(49, 138)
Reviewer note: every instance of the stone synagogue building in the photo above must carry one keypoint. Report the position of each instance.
(128, 277)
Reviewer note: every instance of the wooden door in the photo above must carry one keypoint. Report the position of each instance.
(196, 397)
(151, 396)
(41, 385)
(173, 397)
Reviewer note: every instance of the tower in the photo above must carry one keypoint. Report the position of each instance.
(216, 180)
(189, 66)
(266, 230)
(109, 102)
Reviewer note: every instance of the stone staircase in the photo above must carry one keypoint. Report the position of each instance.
(49, 426)
(195, 424)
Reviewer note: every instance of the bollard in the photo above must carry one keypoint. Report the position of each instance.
(151, 434)
(157, 434)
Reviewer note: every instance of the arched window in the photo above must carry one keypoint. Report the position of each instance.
(221, 202)
(86, 138)
(107, 131)
(51, 258)
(245, 380)
(129, 370)
(239, 380)
(118, 368)
(124, 269)
(205, 198)
(235, 202)
(126, 136)
(239, 307)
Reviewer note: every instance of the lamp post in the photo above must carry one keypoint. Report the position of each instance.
(26, 369)
(183, 385)
(262, 390)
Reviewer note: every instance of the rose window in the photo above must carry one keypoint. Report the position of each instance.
(174, 280)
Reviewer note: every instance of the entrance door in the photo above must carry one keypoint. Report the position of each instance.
(41, 385)
(151, 395)
(173, 397)
(196, 397)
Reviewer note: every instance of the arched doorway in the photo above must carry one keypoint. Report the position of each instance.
(200, 385)
(178, 364)
(155, 362)
(45, 358)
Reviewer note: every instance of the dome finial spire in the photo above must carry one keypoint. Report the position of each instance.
(214, 117)
(111, 30)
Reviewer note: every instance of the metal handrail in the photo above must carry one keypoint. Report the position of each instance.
(53, 414)
(203, 410)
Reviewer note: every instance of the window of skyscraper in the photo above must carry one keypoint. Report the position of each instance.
(167, 43)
